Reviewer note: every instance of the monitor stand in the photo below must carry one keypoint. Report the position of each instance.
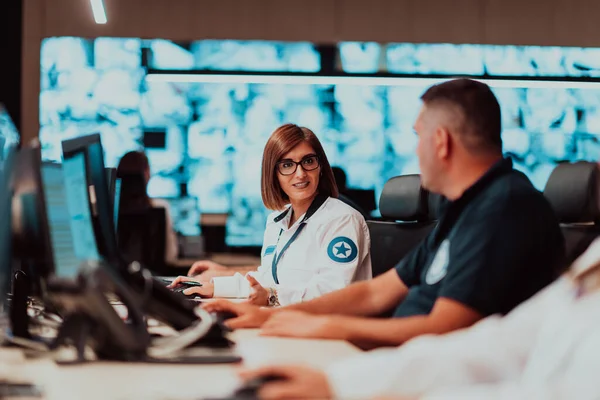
(19, 319)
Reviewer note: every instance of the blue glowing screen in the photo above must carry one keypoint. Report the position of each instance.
(209, 137)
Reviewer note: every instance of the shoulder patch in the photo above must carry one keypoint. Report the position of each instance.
(342, 249)
(439, 266)
(269, 250)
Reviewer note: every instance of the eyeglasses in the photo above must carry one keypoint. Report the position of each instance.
(288, 167)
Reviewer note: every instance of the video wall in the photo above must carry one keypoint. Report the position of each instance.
(205, 140)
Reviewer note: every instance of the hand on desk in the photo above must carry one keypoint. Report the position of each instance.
(247, 315)
(296, 383)
(206, 290)
(300, 324)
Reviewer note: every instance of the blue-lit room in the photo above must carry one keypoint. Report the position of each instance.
(393, 199)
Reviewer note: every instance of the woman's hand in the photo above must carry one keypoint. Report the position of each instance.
(206, 269)
(206, 290)
(246, 315)
(259, 296)
(181, 279)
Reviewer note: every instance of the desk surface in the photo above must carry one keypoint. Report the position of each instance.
(112, 380)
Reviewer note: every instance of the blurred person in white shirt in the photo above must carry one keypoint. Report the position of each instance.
(547, 348)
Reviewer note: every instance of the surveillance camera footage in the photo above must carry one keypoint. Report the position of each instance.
(205, 140)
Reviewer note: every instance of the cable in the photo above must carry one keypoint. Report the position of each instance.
(165, 347)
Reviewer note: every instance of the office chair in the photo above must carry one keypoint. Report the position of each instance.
(572, 190)
(141, 237)
(406, 220)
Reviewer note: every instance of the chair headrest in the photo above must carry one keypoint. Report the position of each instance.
(572, 190)
(404, 199)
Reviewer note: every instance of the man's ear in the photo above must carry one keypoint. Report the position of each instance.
(443, 142)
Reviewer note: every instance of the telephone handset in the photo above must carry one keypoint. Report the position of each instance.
(90, 320)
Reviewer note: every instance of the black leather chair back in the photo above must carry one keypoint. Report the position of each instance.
(141, 237)
(572, 190)
(406, 220)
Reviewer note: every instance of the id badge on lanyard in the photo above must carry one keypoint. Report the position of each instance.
(314, 206)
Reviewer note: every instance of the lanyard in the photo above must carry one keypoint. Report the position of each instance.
(315, 205)
(277, 257)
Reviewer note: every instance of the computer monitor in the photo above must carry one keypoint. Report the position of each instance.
(114, 192)
(111, 175)
(9, 143)
(53, 227)
(90, 148)
(8, 151)
(32, 244)
(5, 243)
(154, 297)
(69, 216)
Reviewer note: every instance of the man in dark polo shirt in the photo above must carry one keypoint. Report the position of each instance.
(494, 246)
(497, 242)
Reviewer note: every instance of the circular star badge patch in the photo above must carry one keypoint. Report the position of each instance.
(342, 249)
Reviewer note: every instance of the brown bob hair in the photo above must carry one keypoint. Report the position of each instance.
(283, 140)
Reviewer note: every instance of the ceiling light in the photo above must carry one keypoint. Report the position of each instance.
(98, 11)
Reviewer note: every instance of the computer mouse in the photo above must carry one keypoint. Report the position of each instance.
(188, 284)
(249, 389)
(181, 286)
(178, 289)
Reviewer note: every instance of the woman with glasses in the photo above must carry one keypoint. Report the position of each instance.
(313, 242)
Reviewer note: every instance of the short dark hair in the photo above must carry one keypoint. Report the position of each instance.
(282, 141)
(481, 122)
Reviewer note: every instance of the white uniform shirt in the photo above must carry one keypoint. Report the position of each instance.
(329, 253)
(547, 348)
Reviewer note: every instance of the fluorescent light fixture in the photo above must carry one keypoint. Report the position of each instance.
(98, 11)
(360, 81)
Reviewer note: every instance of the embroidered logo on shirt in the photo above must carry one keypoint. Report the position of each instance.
(342, 249)
(269, 250)
(439, 266)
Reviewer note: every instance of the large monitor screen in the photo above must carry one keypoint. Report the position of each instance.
(80, 216)
(69, 217)
(185, 214)
(205, 138)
